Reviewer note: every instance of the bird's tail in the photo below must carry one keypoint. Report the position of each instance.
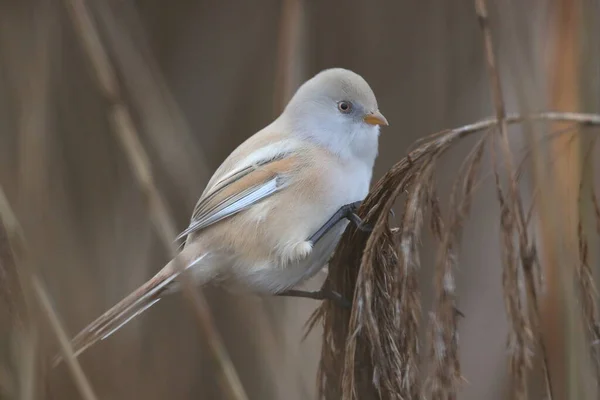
(130, 307)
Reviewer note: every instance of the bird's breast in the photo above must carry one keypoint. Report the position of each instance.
(266, 239)
(347, 183)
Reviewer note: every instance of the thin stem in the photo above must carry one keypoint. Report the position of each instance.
(287, 52)
(164, 226)
(13, 233)
(555, 116)
(81, 381)
(494, 75)
(512, 221)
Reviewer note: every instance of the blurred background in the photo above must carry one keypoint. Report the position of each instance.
(199, 77)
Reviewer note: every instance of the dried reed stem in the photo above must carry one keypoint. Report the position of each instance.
(151, 99)
(512, 224)
(407, 293)
(287, 51)
(596, 210)
(585, 277)
(81, 381)
(445, 375)
(11, 292)
(126, 132)
(165, 227)
(565, 321)
(589, 300)
(34, 121)
(19, 304)
(14, 240)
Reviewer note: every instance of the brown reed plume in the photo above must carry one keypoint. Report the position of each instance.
(372, 350)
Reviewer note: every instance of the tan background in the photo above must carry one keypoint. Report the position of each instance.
(218, 59)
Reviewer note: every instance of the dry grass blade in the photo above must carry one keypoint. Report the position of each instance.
(19, 321)
(584, 274)
(520, 330)
(444, 376)
(81, 381)
(125, 130)
(563, 319)
(512, 225)
(11, 231)
(596, 210)
(11, 292)
(406, 291)
(35, 120)
(589, 300)
(151, 99)
(287, 52)
(531, 266)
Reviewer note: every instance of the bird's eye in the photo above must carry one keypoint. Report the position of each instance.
(345, 106)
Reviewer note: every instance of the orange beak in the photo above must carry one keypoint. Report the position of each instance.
(376, 118)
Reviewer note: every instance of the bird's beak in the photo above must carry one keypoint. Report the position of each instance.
(375, 118)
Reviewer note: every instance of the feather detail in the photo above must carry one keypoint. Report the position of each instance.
(164, 282)
(241, 189)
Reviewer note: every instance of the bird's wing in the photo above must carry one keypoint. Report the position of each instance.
(240, 189)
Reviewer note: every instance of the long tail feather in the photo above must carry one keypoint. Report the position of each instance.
(130, 307)
(192, 256)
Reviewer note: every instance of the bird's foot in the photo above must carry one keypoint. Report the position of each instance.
(350, 214)
(321, 294)
(347, 211)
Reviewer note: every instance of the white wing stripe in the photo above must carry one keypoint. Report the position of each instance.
(207, 213)
(255, 195)
(234, 204)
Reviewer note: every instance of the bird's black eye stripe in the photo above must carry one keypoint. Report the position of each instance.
(345, 106)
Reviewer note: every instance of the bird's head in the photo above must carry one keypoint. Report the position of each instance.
(338, 110)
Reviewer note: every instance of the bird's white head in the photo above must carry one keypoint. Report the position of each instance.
(338, 110)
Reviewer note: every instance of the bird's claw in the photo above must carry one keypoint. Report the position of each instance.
(459, 313)
(355, 219)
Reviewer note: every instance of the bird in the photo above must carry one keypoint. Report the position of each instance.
(273, 212)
